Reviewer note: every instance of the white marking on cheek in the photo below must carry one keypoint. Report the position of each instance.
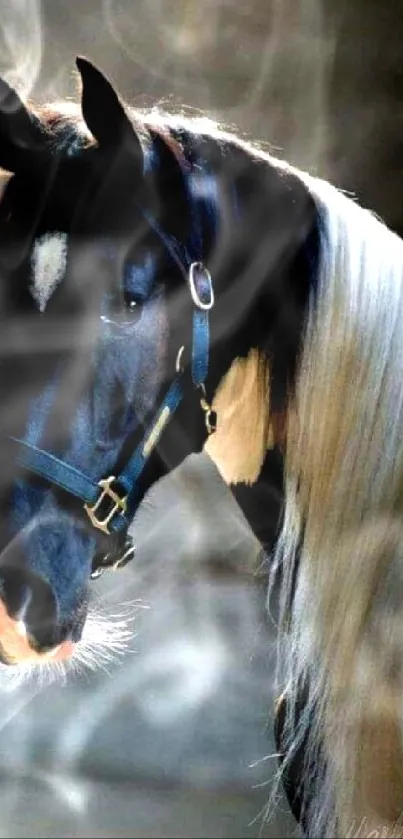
(48, 261)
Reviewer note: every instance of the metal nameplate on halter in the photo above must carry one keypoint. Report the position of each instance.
(156, 431)
(199, 276)
(119, 505)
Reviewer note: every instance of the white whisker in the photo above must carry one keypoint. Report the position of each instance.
(106, 638)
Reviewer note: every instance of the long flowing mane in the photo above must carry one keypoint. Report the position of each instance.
(341, 536)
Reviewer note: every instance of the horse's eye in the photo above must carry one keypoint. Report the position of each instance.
(133, 306)
(122, 310)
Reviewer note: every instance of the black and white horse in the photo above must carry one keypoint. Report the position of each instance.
(167, 287)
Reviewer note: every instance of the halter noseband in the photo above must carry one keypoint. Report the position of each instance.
(110, 503)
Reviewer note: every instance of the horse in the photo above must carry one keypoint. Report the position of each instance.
(169, 287)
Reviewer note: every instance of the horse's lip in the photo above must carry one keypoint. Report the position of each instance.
(16, 648)
(62, 652)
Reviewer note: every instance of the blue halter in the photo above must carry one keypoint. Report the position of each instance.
(110, 503)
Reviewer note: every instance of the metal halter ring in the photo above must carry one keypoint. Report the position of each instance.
(178, 362)
(195, 268)
(210, 416)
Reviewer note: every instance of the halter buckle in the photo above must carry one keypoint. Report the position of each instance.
(119, 505)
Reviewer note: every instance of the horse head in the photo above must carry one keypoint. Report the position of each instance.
(84, 354)
(107, 222)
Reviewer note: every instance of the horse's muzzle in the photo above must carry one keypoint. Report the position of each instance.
(28, 619)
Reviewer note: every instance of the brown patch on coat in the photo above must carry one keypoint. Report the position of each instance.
(244, 433)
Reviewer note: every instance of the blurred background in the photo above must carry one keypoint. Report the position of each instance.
(175, 740)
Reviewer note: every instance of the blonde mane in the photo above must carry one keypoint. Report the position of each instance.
(343, 506)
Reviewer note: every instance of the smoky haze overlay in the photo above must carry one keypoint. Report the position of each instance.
(176, 740)
(320, 82)
(238, 64)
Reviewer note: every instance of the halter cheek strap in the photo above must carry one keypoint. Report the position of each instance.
(111, 502)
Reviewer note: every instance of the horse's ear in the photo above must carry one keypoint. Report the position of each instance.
(102, 109)
(22, 140)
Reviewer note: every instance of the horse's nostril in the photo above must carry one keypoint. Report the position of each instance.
(29, 601)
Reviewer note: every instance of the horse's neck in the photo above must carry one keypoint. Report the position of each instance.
(254, 241)
(267, 238)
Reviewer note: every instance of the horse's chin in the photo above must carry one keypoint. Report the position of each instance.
(16, 647)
